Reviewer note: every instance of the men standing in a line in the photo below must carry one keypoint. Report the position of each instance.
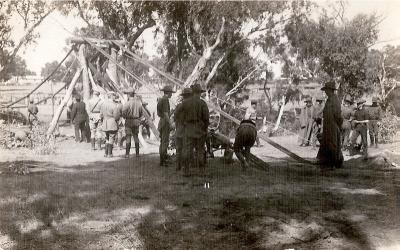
(245, 138)
(164, 125)
(251, 114)
(32, 113)
(347, 113)
(318, 109)
(110, 114)
(132, 111)
(121, 124)
(360, 121)
(94, 120)
(330, 152)
(306, 121)
(375, 115)
(196, 121)
(180, 127)
(79, 117)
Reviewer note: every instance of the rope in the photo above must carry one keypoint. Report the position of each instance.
(180, 84)
(40, 84)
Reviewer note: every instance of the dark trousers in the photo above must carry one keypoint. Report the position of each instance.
(194, 152)
(179, 151)
(244, 140)
(132, 131)
(359, 130)
(163, 150)
(80, 131)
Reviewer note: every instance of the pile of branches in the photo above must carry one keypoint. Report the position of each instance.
(388, 127)
(11, 140)
(12, 116)
(41, 143)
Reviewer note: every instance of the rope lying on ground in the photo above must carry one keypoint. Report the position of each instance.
(40, 84)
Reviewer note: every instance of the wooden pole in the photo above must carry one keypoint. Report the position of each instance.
(52, 98)
(64, 102)
(85, 76)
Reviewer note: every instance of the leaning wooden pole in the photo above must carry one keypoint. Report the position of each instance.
(64, 102)
(85, 75)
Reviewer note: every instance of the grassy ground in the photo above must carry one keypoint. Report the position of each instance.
(135, 204)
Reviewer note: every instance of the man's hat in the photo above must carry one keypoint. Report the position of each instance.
(308, 99)
(196, 88)
(253, 102)
(375, 99)
(329, 85)
(168, 88)
(348, 99)
(360, 101)
(129, 91)
(186, 92)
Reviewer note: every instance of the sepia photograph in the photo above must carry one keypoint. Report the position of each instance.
(203, 124)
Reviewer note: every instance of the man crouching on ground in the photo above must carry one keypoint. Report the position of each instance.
(245, 138)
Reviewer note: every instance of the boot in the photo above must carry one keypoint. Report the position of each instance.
(137, 149)
(127, 149)
(372, 140)
(110, 149)
(106, 150)
(92, 141)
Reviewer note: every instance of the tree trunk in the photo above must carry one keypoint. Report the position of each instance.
(278, 121)
(64, 102)
(85, 75)
(112, 67)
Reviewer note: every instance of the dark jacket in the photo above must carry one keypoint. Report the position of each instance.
(78, 113)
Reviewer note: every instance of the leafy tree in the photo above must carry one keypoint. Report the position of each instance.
(50, 67)
(32, 14)
(335, 50)
(16, 67)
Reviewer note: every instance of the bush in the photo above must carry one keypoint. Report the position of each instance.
(41, 144)
(388, 127)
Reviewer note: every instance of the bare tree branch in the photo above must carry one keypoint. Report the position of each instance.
(213, 71)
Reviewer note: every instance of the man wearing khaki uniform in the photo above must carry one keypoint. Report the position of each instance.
(132, 111)
(110, 114)
(94, 106)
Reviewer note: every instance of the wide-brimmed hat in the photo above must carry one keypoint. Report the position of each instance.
(186, 92)
(329, 85)
(196, 88)
(348, 99)
(253, 102)
(375, 99)
(360, 101)
(308, 99)
(168, 89)
(129, 91)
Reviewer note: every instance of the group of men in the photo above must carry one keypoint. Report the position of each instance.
(191, 118)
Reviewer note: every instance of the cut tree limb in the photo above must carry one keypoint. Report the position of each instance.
(278, 121)
(213, 71)
(64, 102)
(85, 74)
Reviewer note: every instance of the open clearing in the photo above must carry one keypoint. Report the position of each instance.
(78, 200)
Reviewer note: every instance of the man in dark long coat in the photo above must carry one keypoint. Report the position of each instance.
(79, 117)
(330, 153)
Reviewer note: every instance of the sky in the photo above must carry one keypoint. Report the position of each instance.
(52, 42)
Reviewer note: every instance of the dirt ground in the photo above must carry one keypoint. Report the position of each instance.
(77, 199)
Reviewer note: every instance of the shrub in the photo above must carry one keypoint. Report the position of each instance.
(388, 127)
(41, 143)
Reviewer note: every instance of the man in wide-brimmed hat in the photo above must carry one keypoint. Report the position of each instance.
(180, 126)
(330, 153)
(110, 114)
(132, 112)
(164, 125)
(79, 118)
(317, 113)
(196, 120)
(94, 105)
(306, 121)
(375, 115)
(360, 121)
(347, 114)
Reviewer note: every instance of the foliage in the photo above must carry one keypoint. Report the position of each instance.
(50, 67)
(16, 67)
(32, 13)
(339, 49)
(388, 127)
